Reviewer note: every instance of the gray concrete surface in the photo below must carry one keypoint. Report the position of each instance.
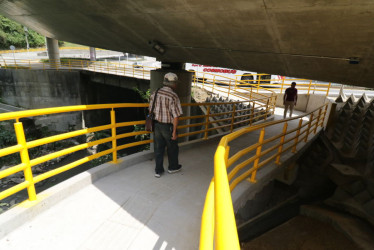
(307, 39)
(128, 208)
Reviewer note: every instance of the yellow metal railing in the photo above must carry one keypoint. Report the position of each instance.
(218, 226)
(117, 68)
(44, 49)
(257, 84)
(206, 123)
(219, 83)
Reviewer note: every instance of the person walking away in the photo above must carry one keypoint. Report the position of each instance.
(167, 111)
(290, 99)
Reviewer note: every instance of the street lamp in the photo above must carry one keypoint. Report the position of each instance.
(27, 40)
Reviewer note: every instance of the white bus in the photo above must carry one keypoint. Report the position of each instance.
(224, 74)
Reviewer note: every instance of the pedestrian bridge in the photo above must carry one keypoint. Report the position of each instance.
(120, 205)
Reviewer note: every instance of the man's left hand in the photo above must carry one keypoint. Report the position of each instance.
(175, 136)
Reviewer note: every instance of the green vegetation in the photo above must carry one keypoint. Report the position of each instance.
(65, 60)
(12, 33)
(143, 94)
(68, 44)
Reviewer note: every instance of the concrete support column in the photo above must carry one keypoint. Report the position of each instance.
(92, 54)
(53, 52)
(183, 90)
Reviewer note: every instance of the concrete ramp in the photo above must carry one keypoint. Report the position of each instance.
(121, 206)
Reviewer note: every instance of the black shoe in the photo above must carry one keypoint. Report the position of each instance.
(174, 170)
(158, 174)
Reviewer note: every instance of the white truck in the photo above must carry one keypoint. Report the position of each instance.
(225, 74)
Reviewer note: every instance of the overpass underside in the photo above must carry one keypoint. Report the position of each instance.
(323, 40)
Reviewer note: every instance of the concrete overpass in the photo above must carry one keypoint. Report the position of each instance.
(322, 40)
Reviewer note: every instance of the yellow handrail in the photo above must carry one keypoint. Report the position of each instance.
(219, 83)
(221, 228)
(212, 122)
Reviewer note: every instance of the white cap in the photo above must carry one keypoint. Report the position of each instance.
(170, 78)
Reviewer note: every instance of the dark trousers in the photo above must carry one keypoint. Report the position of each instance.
(162, 138)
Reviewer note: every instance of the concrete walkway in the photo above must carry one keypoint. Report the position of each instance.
(127, 209)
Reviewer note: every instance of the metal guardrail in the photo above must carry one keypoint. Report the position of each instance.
(210, 122)
(256, 86)
(218, 226)
(143, 72)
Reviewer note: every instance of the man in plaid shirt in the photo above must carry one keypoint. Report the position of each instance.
(167, 111)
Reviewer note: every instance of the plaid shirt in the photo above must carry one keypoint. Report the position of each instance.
(167, 105)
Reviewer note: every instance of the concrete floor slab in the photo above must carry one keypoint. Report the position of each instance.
(129, 208)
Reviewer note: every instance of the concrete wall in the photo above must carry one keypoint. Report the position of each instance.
(302, 101)
(39, 88)
(34, 89)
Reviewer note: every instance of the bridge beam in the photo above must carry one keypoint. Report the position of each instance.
(53, 52)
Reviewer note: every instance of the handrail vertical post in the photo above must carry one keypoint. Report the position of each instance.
(310, 83)
(228, 94)
(114, 134)
(297, 135)
(318, 117)
(282, 86)
(207, 122)
(252, 113)
(24, 153)
(233, 117)
(309, 125)
(267, 109)
(258, 82)
(277, 161)
(258, 153)
(328, 89)
(324, 115)
(213, 83)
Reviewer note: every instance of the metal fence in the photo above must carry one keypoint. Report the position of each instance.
(218, 227)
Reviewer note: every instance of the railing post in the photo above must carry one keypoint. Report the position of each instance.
(318, 117)
(324, 116)
(266, 111)
(282, 85)
(310, 83)
(252, 113)
(297, 136)
(258, 82)
(213, 83)
(258, 153)
(277, 161)
(69, 65)
(24, 153)
(328, 89)
(233, 117)
(114, 134)
(228, 94)
(207, 122)
(309, 125)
